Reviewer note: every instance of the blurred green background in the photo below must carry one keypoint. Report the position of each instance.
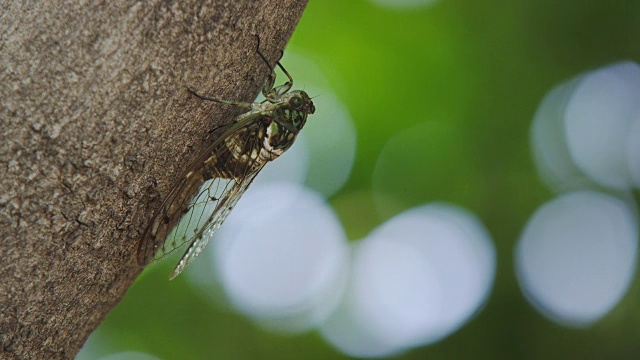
(471, 74)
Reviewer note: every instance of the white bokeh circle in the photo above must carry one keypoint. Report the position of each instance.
(577, 256)
(281, 257)
(414, 280)
(598, 118)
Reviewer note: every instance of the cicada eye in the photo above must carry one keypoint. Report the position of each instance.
(296, 102)
(312, 108)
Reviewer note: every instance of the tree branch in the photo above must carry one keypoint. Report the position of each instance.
(97, 123)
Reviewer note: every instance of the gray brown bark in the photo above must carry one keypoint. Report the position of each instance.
(96, 126)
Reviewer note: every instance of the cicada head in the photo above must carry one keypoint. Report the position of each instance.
(293, 109)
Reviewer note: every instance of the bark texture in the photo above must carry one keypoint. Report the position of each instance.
(96, 124)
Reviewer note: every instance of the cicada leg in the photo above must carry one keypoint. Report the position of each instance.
(270, 93)
(236, 103)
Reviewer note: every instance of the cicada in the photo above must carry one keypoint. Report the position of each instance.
(228, 165)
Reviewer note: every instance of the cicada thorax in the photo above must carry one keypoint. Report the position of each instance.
(237, 156)
(248, 150)
(285, 125)
(279, 137)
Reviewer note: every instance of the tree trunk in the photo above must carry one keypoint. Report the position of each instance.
(97, 123)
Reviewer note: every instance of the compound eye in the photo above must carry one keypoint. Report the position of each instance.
(296, 102)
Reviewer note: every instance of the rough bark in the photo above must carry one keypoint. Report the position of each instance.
(96, 126)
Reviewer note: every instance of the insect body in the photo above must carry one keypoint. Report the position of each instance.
(229, 166)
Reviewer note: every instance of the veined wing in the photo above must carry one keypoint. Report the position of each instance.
(158, 239)
(222, 209)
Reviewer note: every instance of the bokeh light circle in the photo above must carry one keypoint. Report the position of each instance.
(414, 280)
(551, 153)
(598, 118)
(633, 151)
(329, 137)
(281, 257)
(577, 256)
(404, 177)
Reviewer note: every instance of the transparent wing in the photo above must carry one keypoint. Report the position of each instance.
(206, 204)
(229, 196)
(186, 209)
